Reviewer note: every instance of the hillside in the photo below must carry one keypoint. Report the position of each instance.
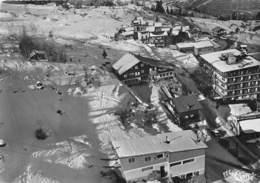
(221, 7)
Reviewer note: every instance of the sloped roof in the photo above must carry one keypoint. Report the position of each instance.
(186, 103)
(239, 109)
(158, 34)
(125, 63)
(129, 60)
(154, 62)
(179, 141)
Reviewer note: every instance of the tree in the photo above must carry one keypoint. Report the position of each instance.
(159, 7)
(157, 19)
(172, 12)
(167, 10)
(234, 15)
(104, 54)
(257, 16)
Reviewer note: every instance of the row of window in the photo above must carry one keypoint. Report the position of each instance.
(171, 165)
(182, 162)
(244, 78)
(147, 158)
(243, 72)
(244, 91)
(243, 85)
(167, 74)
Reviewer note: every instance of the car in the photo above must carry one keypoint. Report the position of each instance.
(39, 85)
(218, 133)
(2, 143)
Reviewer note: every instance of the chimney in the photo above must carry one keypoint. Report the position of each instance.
(167, 141)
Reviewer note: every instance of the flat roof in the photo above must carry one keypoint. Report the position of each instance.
(214, 60)
(250, 125)
(179, 141)
(186, 103)
(198, 44)
(239, 109)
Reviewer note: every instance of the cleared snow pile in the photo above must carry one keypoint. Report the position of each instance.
(72, 153)
(239, 176)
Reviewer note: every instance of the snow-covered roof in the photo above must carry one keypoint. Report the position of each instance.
(179, 141)
(250, 125)
(125, 63)
(239, 109)
(129, 28)
(198, 44)
(150, 28)
(177, 27)
(185, 45)
(127, 33)
(129, 60)
(175, 32)
(166, 29)
(203, 44)
(157, 24)
(214, 60)
(185, 28)
(158, 35)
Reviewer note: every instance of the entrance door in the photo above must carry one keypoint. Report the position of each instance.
(162, 171)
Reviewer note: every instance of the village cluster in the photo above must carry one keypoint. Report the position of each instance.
(234, 78)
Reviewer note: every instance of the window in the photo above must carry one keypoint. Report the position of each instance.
(196, 173)
(188, 161)
(142, 64)
(131, 160)
(148, 158)
(147, 168)
(175, 163)
(160, 156)
(136, 67)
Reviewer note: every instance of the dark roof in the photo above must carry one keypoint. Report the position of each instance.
(186, 103)
(153, 62)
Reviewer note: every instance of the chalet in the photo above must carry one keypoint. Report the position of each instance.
(179, 154)
(158, 39)
(219, 31)
(134, 69)
(187, 110)
(171, 88)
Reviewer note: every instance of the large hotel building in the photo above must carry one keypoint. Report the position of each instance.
(234, 75)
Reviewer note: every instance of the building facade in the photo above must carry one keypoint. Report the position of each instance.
(234, 76)
(134, 69)
(186, 110)
(175, 154)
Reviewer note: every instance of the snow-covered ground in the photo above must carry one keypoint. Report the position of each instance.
(76, 24)
(80, 137)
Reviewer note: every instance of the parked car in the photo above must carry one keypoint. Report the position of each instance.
(218, 133)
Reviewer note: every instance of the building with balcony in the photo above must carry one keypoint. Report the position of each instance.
(134, 69)
(177, 154)
(234, 75)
